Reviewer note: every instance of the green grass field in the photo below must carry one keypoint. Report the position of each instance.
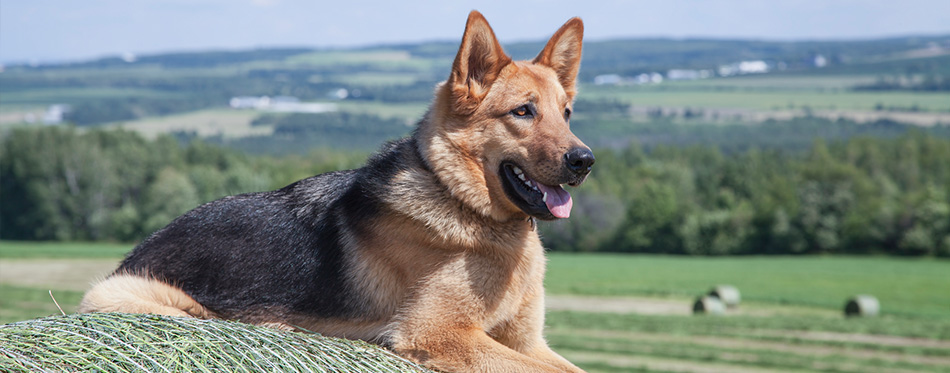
(790, 319)
(227, 123)
(59, 95)
(697, 95)
(905, 287)
(58, 250)
(379, 59)
(790, 82)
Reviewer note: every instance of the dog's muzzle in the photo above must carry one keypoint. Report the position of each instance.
(579, 160)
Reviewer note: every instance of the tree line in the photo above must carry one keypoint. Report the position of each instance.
(927, 83)
(60, 183)
(862, 195)
(858, 196)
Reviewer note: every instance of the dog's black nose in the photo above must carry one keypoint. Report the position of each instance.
(579, 160)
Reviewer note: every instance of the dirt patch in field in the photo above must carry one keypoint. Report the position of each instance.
(639, 305)
(923, 119)
(668, 306)
(64, 274)
(205, 123)
(727, 115)
(886, 340)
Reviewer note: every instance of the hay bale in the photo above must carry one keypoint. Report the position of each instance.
(862, 305)
(709, 305)
(728, 294)
(148, 343)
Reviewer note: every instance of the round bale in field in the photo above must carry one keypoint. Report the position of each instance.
(862, 305)
(728, 294)
(709, 305)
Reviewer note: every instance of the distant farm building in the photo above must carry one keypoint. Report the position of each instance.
(744, 67)
(684, 74)
(281, 104)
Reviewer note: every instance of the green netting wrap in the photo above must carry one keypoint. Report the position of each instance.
(117, 342)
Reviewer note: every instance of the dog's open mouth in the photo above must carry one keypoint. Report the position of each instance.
(541, 201)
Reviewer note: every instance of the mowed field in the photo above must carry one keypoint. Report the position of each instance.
(632, 313)
(622, 313)
(770, 92)
(209, 122)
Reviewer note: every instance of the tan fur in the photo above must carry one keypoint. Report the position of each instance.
(451, 270)
(137, 294)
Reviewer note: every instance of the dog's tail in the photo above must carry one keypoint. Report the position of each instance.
(133, 293)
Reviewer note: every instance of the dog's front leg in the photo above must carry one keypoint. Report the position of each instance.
(544, 353)
(523, 333)
(463, 348)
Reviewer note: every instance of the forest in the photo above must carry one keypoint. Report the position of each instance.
(861, 195)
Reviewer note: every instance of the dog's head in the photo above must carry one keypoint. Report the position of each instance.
(498, 133)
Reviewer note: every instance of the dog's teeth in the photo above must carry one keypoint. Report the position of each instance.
(544, 198)
(527, 182)
(517, 171)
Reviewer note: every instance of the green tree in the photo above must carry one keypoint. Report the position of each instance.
(57, 186)
(929, 221)
(651, 221)
(170, 195)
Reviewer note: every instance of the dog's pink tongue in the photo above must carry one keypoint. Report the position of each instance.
(559, 200)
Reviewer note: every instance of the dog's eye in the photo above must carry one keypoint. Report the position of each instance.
(523, 111)
(567, 113)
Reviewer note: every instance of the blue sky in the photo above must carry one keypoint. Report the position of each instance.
(56, 30)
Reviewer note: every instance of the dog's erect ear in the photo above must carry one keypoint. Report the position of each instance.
(479, 60)
(563, 53)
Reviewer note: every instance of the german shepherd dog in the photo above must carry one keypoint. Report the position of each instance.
(431, 249)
